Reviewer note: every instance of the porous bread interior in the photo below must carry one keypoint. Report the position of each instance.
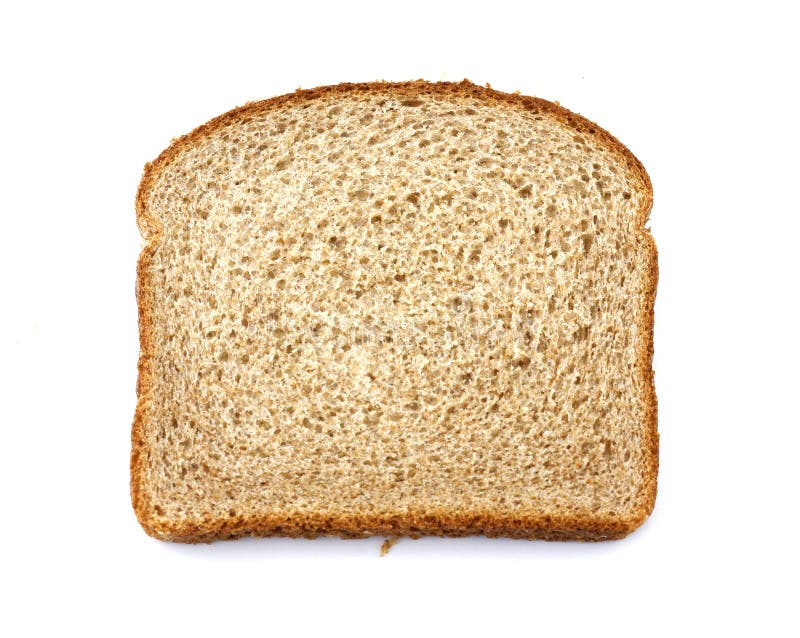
(386, 305)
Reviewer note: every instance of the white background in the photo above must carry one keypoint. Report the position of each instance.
(704, 95)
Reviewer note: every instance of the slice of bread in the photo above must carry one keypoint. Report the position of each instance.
(395, 309)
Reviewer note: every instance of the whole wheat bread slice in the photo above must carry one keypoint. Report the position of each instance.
(395, 309)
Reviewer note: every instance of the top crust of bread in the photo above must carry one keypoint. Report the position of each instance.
(354, 524)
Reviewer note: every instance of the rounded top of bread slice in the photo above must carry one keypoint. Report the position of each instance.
(587, 135)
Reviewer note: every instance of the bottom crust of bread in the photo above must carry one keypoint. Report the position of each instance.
(492, 526)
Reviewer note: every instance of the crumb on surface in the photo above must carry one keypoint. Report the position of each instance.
(387, 545)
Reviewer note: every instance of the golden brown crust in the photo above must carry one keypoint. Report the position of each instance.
(429, 523)
(358, 526)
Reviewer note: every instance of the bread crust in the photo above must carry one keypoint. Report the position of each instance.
(355, 525)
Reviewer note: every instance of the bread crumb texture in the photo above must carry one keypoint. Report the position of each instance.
(395, 309)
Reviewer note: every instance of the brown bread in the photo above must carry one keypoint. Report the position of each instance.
(395, 309)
